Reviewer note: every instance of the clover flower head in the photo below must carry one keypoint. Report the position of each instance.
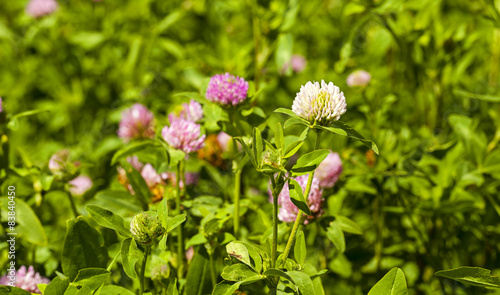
(227, 89)
(62, 167)
(297, 63)
(26, 280)
(358, 78)
(58, 161)
(137, 122)
(134, 161)
(189, 254)
(212, 152)
(1, 109)
(183, 135)
(288, 211)
(191, 111)
(122, 174)
(224, 140)
(153, 180)
(145, 227)
(39, 8)
(319, 104)
(191, 178)
(80, 185)
(328, 172)
(150, 175)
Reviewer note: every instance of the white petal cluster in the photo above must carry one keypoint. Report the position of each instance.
(319, 104)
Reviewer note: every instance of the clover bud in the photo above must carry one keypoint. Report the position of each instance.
(270, 158)
(146, 227)
(62, 167)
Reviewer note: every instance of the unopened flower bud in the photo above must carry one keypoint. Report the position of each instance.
(270, 158)
(146, 227)
(61, 166)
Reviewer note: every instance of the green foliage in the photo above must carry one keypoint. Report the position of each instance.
(419, 146)
(14, 290)
(108, 219)
(336, 235)
(83, 248)
(297, 196)
(130, 255)
(309, 162)
(29, 227)
(471, 275)
(392, 283)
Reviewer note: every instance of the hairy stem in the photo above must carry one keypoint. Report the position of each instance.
(180, 238)
(274, 250)
(236, 216)
(212, 269)
(72, 202)
(143, 268)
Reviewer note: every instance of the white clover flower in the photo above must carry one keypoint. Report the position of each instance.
(321, 105)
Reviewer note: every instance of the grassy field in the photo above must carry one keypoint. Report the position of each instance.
(127, 166)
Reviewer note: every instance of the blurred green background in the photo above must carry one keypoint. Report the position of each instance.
(428, 202)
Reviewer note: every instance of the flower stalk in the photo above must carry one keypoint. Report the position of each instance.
(274, 249)
(299, 220)
(71, 201)
(180, 238)
(213, 275)
(237, 188)
(143, 269)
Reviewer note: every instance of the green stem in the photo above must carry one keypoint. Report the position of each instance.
(33, 255)
(291, 239)
(180, 238)
(495, 56)
(212, 269)
(143, 268)
(237, 188)
(274, 250)
(110, 266)
(72, 202)
(298, 220)
(378, 219)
